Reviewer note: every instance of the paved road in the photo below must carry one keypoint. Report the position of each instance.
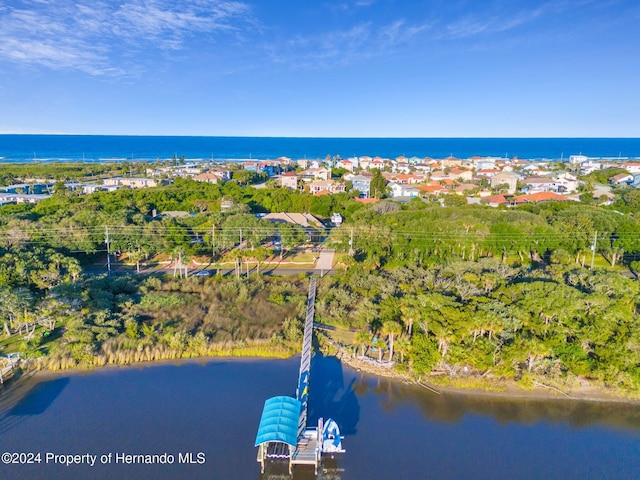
(119, 269)
(325, 262)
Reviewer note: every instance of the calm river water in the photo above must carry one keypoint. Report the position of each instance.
(392, 430)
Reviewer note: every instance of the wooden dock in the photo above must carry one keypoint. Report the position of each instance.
(308, 450)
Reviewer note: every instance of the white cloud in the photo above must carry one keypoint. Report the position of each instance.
(91, 37)
(341, 47)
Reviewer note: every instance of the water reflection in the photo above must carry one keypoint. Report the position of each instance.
(453, 407)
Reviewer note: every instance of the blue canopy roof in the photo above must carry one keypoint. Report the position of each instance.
(279, 422)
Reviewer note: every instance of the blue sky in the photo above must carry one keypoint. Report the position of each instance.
(367, 68)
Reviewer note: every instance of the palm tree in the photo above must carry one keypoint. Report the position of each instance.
(391, 329)
(363, 338)
(136, 256)
(402, 346)
(410, 309)
(260, 254)
(381, 345)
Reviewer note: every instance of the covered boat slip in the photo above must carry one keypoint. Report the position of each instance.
(277, 436)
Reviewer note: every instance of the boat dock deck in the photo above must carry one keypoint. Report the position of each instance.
(283, 433)
(308, 449)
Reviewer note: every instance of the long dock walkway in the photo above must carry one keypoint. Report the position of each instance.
(302, 393)
(283, 426)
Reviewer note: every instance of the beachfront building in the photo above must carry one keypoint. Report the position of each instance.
(631, 167)
(589, 166)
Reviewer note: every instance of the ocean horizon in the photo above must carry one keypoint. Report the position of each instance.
(19, 148)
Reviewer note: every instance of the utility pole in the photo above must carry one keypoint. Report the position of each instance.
(240, 238)
(351, 243)
(593, 249)
(106, 240)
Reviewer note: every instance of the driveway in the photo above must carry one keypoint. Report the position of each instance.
(325, 262)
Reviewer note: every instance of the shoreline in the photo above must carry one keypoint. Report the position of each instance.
(503, 389)
(506, 390)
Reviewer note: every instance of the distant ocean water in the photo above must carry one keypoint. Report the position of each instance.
(101, 148)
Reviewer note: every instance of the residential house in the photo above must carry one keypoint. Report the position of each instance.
(131, 182)
(542, 197)
(566, 182)
(329, 186)
(401, 167)
(450, 162)
(464, 188)
(303, 163)
(422, 167)
(589, 166)
(621, 178)
(284, 161)
(251, 166)
(539, 184)
(377, 162)
(211, 177)
(304, 220)
(432, 189)
(319, 173)
(347, 165)
(510, 179)
(460, 174)
(408, 178)
(438, 175)
(631, 167)
(364, 162)
(22, 198)
(578, 159)
(289, 180)
(497, 200)
(488, 172)
(361, 183)
(481, 163)
(271, 168)
(398, 190)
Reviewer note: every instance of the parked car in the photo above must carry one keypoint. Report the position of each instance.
(202, 273)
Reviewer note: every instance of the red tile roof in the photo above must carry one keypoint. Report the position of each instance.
(543, 197)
